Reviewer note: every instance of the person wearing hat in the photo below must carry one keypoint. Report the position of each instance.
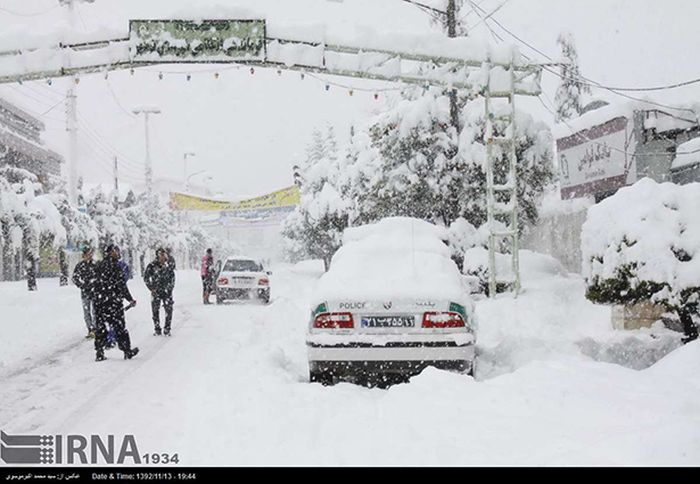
(109, 293)
(84, 279)
(160, 280)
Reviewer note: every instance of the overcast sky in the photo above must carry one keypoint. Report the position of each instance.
(248, 130)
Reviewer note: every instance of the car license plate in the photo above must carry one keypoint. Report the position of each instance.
(388, 321)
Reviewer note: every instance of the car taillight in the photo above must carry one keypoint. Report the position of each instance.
(264, 281)
(333, 320)
(442, 320)
(223, 280)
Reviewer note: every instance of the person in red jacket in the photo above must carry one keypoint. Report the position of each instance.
(207, 272)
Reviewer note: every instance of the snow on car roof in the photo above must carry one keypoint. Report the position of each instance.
(242, 257)
(397, 257)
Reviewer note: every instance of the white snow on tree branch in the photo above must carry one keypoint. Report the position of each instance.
(654, 227)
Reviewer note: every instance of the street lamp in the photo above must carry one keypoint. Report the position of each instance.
(149, 171)
(184, 158)
(187, 180)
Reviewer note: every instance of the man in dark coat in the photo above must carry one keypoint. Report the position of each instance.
(160, 280)
(109, 293)
(84, 279)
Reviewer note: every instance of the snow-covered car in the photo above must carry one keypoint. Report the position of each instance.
(243, 278)
(392, 303)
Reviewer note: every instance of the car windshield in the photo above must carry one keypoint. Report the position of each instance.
(237, 265)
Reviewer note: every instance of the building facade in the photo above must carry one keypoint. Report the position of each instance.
(614, 146)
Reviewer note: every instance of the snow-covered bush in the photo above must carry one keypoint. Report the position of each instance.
(643, 244)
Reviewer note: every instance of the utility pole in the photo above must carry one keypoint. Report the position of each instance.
(116, 183)
(149, 170)
(72, 128)
(447, 18)
(71, 118)
(451, 15)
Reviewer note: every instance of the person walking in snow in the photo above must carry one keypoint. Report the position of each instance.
(207, 272)
(111, 340)
(160, 280)
(110, 291)
(84, 279)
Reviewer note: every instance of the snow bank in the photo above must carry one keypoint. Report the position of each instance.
(683, 363)
(654, 227)
(553, 406)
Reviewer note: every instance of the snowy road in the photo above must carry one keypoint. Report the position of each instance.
(230, 388)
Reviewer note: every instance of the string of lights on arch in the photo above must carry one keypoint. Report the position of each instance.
(216, 74)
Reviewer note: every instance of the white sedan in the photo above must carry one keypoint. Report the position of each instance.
(391, 304)
(243, 278)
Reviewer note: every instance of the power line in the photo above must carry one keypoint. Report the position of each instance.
(483, 19)
(20, 14)
(655, 88)
(113, 150)
(31, 111)
(426, 7)
(470, 11)
(595, 84)
(590, 82)
(116, 100)
(487, 16)
(103, 151)
(109, 149)
(52, 107)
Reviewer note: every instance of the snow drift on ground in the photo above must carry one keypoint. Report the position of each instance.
(230, 387)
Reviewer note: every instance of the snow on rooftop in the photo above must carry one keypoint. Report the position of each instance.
(688, 153)
(659, 119)
(594, 118)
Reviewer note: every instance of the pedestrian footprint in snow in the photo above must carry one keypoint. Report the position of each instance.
(160, 280)
(109, 293)
(84, 279)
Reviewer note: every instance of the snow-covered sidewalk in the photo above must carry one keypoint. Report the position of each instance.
(230, 388)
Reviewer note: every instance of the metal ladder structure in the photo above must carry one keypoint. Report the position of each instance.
(502, 174)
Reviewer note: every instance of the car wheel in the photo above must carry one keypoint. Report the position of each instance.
(219, 299)
(265, 297)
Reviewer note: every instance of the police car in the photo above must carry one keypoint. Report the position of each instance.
(392, 303)
(243, 278)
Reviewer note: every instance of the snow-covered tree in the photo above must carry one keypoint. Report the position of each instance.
(412, 162)
(643, 244)
(27, 218)
(569, 98)
(315, 228)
